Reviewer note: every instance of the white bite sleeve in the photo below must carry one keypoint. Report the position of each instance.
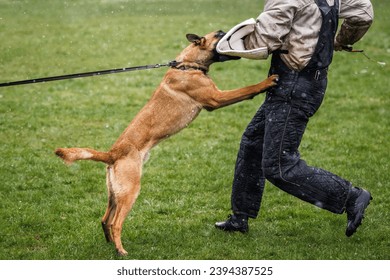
(233, 42)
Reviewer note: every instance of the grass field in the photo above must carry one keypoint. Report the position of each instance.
(51, 211)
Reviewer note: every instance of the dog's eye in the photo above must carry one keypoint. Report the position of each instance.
(220, 34)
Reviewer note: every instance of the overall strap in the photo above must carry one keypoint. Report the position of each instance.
(323, 52)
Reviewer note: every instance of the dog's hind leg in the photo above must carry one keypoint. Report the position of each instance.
(111, 207)
(106, 222)
(125, 176)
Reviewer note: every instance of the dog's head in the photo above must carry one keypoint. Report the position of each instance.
(203, 50)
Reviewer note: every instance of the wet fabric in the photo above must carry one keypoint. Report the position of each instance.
(269, 145)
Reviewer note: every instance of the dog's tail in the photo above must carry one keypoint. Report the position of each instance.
(69, 155)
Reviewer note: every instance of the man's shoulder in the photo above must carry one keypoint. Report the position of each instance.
(290, 4)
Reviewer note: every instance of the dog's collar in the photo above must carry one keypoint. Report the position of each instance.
(189, 66)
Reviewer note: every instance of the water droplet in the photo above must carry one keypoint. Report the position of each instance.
(319, 204)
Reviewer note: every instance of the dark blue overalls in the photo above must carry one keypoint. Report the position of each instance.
(269, 145)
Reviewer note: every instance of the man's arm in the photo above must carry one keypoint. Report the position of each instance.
(358, 16)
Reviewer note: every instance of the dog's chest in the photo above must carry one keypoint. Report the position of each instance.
(180, 109)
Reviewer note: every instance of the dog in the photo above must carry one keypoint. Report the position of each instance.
(184, 91)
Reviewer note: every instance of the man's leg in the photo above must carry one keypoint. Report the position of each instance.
(285, 169)
(282, 165)
(248, 182)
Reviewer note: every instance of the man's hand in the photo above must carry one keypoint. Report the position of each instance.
(340, 47)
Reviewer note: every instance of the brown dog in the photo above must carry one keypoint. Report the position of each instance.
(183, 92)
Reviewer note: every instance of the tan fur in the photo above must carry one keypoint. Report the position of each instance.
(183, 92)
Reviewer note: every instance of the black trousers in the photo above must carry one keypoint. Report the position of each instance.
(269, 149)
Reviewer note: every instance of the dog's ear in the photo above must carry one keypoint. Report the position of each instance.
(197, 40)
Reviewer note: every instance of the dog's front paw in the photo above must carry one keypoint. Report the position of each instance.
(273, 80)
(269, 82)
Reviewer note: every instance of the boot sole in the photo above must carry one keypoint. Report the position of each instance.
(231, 229)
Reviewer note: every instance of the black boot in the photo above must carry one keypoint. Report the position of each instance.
(235, 222)
(356, 205)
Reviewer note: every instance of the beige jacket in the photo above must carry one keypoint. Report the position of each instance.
(294, 25)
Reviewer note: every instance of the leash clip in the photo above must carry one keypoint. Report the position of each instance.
(173, 63)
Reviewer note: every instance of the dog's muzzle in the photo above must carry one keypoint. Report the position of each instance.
(222, 57)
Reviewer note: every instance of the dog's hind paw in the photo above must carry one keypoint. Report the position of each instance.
(121, 252)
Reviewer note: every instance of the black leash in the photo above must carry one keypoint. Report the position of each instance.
(89, 74)
(350, 49)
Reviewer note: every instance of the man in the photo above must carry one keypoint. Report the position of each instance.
(301, 35)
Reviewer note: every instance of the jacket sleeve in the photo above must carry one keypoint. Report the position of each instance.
(273, 25)
(358, 16)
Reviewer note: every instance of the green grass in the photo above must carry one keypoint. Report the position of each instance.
(51, 211)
